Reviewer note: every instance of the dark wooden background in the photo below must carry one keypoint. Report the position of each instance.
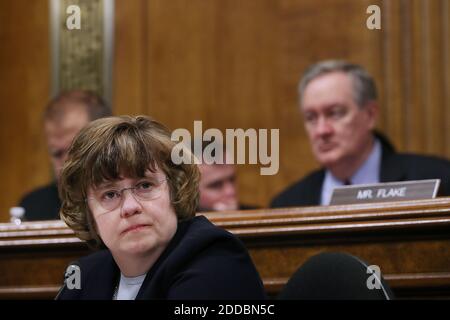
(233, 64)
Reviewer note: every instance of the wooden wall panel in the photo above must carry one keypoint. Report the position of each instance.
(413, 75)
(24, 91)
(434, 80)
(130, 57)
(393, 117)
(216, 62)
(311, 32)
(446, 70)
(416, 55)
(235, 64)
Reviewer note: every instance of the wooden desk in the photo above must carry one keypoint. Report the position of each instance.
(410, 241)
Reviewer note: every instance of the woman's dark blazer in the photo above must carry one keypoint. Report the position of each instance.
(202, 261)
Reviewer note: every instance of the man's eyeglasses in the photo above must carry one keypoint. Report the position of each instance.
(111, 199)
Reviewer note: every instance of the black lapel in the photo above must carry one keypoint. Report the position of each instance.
(102, 278)
(315, 191)
(149, 288)
(391, 168)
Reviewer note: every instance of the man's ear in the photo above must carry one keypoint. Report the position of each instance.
(372, 110)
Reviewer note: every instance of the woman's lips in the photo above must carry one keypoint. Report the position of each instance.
(135, 227)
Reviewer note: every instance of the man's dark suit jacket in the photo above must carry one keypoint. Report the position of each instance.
(394, 167)
(202, 261)
(42, 203)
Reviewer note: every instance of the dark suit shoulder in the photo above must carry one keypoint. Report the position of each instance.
(204, 262)
(95, 259)
(421, 167)
(43, 191)
(98, 276)
(429, 163)
(304, 192)
(194, 236)
(42, 203)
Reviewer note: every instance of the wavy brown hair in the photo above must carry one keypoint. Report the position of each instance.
(111, 147)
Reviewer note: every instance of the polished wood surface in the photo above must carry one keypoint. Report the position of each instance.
(410, 241)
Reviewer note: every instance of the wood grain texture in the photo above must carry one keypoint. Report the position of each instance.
(24, 92)
(237, 65)
(446, 70)
(130, 57)
(409, 241)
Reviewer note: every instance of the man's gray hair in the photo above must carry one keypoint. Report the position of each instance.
(364, 89)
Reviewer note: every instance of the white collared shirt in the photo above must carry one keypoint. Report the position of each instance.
(129, 287)
(369, 172)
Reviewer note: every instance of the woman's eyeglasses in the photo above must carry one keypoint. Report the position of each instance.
(110, 198)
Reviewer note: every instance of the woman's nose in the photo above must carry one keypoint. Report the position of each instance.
(130, 205)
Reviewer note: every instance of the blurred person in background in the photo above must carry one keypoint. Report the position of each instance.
(63, 118)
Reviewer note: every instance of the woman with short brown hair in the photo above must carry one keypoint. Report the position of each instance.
(121, 191)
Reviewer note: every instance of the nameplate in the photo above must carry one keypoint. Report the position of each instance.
(384, 192)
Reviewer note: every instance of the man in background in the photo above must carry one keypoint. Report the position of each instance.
(63, 118)
(218, 187)
(339, 107)
(218, 183)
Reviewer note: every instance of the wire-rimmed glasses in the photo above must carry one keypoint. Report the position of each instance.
(110, 199)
